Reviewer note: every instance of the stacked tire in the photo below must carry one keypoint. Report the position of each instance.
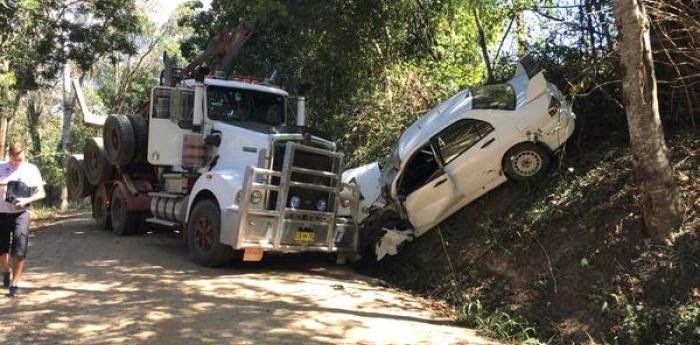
(121, 149)
(76, 180)
(125, 139)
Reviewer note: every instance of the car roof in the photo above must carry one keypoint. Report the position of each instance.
(439, 117)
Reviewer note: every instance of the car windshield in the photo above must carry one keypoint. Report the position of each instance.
(235, 105)
(499, 96)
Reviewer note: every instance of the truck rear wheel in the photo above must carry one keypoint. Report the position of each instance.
(124, 222)
(203, 234)
(119, 140)
(100, 210)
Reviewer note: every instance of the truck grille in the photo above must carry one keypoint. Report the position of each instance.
(310, 198)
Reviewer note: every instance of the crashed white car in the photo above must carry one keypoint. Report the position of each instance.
(460, 150)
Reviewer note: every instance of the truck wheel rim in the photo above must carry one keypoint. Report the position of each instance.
(527, 163)
(204, 233)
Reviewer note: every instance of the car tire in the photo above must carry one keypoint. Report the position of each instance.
(203, 234)
(526, 162)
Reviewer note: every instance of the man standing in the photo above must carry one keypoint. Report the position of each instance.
(27, 186)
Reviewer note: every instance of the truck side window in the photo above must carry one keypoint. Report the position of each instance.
(421, 169)
(161, 103)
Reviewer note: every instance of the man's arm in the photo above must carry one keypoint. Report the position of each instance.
(39, 194)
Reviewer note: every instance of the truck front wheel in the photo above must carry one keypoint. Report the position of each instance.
(203, 234)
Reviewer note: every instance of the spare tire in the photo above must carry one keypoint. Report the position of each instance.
(97, 167)
(119, 140)
(140, 126)
(78, 186)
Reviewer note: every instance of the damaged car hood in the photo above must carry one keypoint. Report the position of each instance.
(366, 178)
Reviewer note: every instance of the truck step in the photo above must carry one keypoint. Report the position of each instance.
(164, 195)
(164, 222)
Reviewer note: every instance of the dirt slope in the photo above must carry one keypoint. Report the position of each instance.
(86, 286)
(565, 259)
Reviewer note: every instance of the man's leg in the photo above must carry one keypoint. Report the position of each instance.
(5, 230)
(20, 242)
(17, 268)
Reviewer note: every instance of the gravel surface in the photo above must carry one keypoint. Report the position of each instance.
(87, 286)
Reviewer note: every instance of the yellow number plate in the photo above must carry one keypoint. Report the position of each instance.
(303, 236)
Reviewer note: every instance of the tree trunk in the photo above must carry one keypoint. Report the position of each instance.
(663, 210)
(34, 110)
(4, 114)
(482, 44)
(68, 101)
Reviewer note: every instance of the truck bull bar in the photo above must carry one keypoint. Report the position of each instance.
(287, 229)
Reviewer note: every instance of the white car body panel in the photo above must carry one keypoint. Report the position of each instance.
(479, 169)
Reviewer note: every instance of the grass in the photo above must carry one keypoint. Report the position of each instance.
(50, 212)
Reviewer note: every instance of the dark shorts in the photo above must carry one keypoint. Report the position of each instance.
(14, 229)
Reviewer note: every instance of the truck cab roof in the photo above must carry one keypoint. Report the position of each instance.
(235, 84)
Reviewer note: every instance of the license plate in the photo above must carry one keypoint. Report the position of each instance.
(304, 236)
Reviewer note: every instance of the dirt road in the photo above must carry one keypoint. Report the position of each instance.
(86, 286)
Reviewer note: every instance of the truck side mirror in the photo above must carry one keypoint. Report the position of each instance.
(213, 139)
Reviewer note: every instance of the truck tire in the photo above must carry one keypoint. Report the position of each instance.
(100, 208)
(119, 140)
(203, 233)
(77, 184)
(124, 222)
(97, 167)
(526, 161)
(140, 126)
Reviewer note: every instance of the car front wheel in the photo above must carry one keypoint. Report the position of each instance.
(526, 162)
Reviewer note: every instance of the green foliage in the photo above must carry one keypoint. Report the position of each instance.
(374, 67)
(670, 325)
(500, 324)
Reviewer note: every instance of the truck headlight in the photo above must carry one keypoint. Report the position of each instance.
(321, 205)
(256, 197)
(294, 202)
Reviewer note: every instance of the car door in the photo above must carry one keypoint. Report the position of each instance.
(469, 151)
(427, 189)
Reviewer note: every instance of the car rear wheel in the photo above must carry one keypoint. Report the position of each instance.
(526, 162)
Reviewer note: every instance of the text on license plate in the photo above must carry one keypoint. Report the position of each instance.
(304, 235)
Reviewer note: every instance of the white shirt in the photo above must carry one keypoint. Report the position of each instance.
(26, 172)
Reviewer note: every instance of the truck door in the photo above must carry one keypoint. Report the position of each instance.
(428, 190)
(170, 118)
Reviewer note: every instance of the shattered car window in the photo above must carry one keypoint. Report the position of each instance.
(421, 169)
(499, 96)
(459, 137)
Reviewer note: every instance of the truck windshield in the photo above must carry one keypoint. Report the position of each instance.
(236, 105)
